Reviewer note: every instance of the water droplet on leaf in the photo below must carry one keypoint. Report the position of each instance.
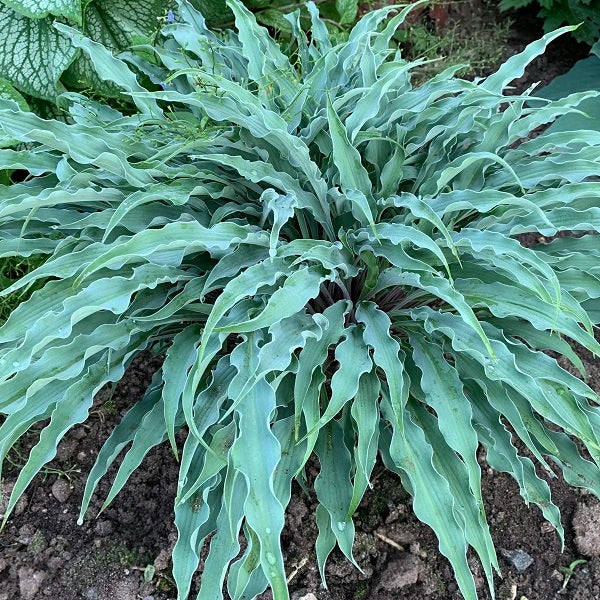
(489, 365)
(341, 525)
(271, 558)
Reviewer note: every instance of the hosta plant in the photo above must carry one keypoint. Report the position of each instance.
(329, 260)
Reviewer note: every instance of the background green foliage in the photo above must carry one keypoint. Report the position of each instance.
(335, 13)
(573, 12)
(39, 61)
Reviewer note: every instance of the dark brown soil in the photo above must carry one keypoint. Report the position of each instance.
(44, 554)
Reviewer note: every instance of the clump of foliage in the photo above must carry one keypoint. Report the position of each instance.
(39, 62)
(555, 13)
(328, 258)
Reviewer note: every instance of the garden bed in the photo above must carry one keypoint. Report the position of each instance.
(124, 553)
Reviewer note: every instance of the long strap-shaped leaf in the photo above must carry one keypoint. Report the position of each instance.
(110, 68)
(387, 354)
(264, 512)
(73, 408)
(120, 436)
(440, 287)
(443, 391)
(174, 240)
(432, 497)
(365, 412)
(194, 520)
(514, 67)
(353, 176)
(501, 453)
(267, 65)
(313, 357)
(300, 287)
(467, 512)
(224, 546)
(333, 485)
(529, 373)
(85, 145)
(353, 359)
(180, 357)
(111, 294)
(504, 300)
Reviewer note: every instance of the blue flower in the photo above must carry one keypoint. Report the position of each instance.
(170, 16)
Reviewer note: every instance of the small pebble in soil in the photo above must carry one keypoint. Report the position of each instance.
(519, 559)
(401, 573)
(586, 523)
(557, 575)
(30, 582)
(55, 563)
(92, 594)
(21, 505)
(5, 491)
(547, 527)
(61, 490)
(161, 562)
(79, 433)
(395, 513)
(126, 589)
(104, 528)
(26, 533)
(415, 548)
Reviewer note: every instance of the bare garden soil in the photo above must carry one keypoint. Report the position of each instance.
(44, 554)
